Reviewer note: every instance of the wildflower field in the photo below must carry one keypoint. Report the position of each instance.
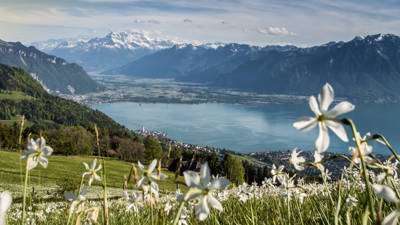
(38, 188)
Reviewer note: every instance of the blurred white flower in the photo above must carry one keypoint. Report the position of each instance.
(148, 174)
(317, 160)
(133, 202)
(389, 195)
(365, 149)
(324, 118)
(351, 200)
(91, 171)
(167, 208)
(296, 160)
(5, 203)
(276, 171)
(77, 200)
(202, 183)
(37, 150)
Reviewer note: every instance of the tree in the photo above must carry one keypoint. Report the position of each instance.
(153, 148)
(233, 169)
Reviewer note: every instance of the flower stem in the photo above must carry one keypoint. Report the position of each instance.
(380, 136)
(178, 215)
(151, 203)
(105, 194)
(350, 123)
(25, 186)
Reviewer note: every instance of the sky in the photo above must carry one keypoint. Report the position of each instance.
(256, 22)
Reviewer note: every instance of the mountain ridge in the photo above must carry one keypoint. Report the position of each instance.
(102, 53)
(56, 74)
(365, 69)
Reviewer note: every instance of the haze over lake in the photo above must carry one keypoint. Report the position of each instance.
(250, 128)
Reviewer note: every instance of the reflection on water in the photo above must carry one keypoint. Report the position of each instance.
(248, 128)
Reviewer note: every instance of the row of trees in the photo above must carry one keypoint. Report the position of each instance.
(76, 140)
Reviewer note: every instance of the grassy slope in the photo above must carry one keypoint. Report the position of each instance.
(60, 167)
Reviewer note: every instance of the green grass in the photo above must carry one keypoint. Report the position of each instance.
(17, 119)
(62, 167)
(15, 95)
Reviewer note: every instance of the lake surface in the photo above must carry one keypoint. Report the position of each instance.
(250, 128)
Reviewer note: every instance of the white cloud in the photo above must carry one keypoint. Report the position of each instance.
(276, 31)
(153, 21)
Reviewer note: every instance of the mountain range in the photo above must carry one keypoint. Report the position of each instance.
(54, 73)
(103, 53)
(362, 69)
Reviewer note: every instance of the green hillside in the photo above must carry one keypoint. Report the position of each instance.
(20, 94)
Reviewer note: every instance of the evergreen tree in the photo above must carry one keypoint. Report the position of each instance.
(153, 148)
(233, 169)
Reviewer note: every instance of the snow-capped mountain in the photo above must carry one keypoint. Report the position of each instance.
(49, 45)
(102, 53)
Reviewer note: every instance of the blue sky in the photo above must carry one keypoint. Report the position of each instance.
(259, 22)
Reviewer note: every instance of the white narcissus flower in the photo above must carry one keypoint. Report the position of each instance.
(202, 183)
(389, 195)
(276, 171)
(91, 171)
(351, 201)
(148, 174)
(296, 160)
(365, 149)
(133, 201)
(37, 150)
(5, 202)
(76, 199)
(324, 118)
(317, 160)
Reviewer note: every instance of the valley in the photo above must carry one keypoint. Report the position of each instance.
(121, 88)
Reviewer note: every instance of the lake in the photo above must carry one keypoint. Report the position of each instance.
(250, 128)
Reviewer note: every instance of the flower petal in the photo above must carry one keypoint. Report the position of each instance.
(385, 192)
(43, 161)
(314, 105)
(152, 166)
(141, 182)
(94, 164)
(141, 167)
(98, 168)
(163, 176)
(214, 203)
(5, 201)
(47, 150)
(391, 219)
(32, 146)
(69, 196)
(322, 142)
(32, 163)
(338, 129)
(205, 174)
(90, 180)
(192, 179)
(97, 177)
(41, 142)
(325, 97)
(341, 108)
(202, 209)
(86, 166)
(305, 123)
(219, 183)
